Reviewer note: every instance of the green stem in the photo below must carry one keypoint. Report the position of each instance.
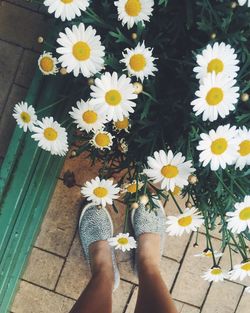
(230, 255)
(228, 190)
(236, 183)
(125, 226)
(238, 247)
(50, 105)
(176, 203)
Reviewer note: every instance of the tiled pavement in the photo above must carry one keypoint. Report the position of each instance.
(56, 272)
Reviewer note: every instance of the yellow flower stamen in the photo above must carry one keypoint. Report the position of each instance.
(102, 140)
(123, 241)
(215, 65)
(133, 7)
(216, 271)
(81, 51)
(219, 146)
(100, 192)
(50, 134)
(245, 214)
(67, 1)
(113, 97)
(89, 117)
(246, 267)
(47, 64)
(214, 96)
(185, 221)
(244, 148)
(25, 117)
(122, 124)
(169, 171)
(137, 62)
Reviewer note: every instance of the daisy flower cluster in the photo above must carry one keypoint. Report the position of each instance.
(49, 134)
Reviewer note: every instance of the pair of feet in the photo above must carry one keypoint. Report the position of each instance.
(96, 226)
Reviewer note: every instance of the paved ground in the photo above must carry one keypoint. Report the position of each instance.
(57, 272)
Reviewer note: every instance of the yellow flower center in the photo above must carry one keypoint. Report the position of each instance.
(47, 64)
(219, 146)
(245, 214)
(89, 117)
(169, 171)
(208, 253)
(50, 134)
(216, 271)
(123, 241)
(67, 1)
(244, 148)
(122, 124)
(185, 221)
(245, 267)
(102, 140)
(177, 191)
(133, 7)
(25, 117)
(113, 97)
(132, 188)
(215, 65)
(214, 96)
(100, 192)
(137, 62)
(81, 51)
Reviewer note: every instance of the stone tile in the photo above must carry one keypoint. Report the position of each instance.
(121, 296)
(190, 275)
(7, 122)
(175, 246)
(169, 269)
(27, 68)
(43, 268)
(190, 309)
(244, 304)
(24, 33)
(60, 222)
(222, 298)
(75, 274)
(10, 56)
(31, 299)
(132, 301)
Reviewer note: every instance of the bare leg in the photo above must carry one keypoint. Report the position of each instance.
(153, 294)
(97, 297)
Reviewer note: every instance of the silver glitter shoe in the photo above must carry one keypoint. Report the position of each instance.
(94, 225)
(145, 221)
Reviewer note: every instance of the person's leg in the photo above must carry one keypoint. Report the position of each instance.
(153, 294)
(97, 297)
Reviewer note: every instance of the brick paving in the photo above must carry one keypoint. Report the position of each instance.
(57, 272)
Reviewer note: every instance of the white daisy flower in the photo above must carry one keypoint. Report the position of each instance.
(87, 117)
(139, 61)
(217, 96)
(131, 12)
(215, 274)
(207, 253)
(132, 187)
(81, 50)
(122, 125)
(102, 140)
(243, 2)
(240, 271)
(247, 289)
(169, 169)
(239, 220)
(122, 242)
(188, 221)
(66, 9)
(113, 96)
(51, 136)
(47, 63)
(243, 143)
(25, 116)
(219, 58)
(218, 147)
(100, 192)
